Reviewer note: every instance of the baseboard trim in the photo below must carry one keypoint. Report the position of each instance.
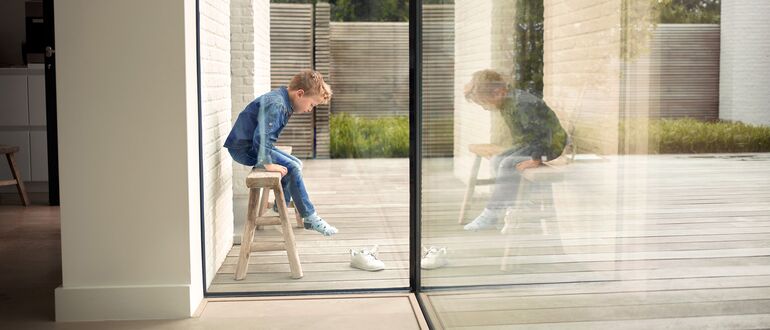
(123, 303)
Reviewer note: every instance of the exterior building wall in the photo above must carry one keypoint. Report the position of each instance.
(216, 122)
(744, 63)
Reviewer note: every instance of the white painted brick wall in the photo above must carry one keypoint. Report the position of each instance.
(745, 62)
(473, 52)
(250, 43)
(216, 122)
(582, 69)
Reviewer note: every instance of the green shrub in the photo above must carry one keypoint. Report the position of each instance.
(674, 136)
(357, 137)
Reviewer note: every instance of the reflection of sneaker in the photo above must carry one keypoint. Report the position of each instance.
(483, 221)
(366, 259)
(433, 257)
(320, 225)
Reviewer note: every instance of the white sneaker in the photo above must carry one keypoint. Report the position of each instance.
(484, 221)
(366, 259)
(433, 257)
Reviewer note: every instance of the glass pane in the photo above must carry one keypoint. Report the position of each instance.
(596, 164)
(350, 155)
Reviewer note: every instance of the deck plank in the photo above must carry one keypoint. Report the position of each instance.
(638, 240)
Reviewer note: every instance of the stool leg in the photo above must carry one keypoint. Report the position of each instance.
(288, 234)
(298, 217)
(248, 234)
(262, 206)
(511, 213)
(17, 176)
(471, 188)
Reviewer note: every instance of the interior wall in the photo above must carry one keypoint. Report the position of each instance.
(128, 157)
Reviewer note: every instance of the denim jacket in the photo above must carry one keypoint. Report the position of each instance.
(258, 126)
(533, 125)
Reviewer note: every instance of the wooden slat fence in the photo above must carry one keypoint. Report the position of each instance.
(291, 50)
(684, 71)
(367, 64)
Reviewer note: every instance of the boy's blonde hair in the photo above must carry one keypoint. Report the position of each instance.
(312, 82)
(483, 83)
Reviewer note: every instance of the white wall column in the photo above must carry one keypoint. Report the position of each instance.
(128, 148)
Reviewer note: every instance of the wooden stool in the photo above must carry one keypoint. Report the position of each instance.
(486, 151)
(261, 181)
(264, 201)
(535, 187)
(9, 152)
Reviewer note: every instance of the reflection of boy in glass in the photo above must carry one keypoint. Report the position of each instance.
(252, 139)
(536, 132)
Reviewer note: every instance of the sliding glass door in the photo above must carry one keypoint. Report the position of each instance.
(594, 164)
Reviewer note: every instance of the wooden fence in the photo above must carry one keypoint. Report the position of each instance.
(684, 71)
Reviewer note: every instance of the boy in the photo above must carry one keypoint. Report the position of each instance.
(251, 141)
(536, 132)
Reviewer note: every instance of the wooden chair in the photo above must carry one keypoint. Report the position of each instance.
(10, 152)
(262, 182)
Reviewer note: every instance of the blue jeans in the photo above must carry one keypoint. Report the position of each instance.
(507, 178)
(292, 183)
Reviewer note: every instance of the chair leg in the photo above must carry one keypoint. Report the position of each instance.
(17, 176)
(471, 187)
(248, 235)
(288, 234)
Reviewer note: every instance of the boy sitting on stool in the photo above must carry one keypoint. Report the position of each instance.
(536, 131)
(251, 141)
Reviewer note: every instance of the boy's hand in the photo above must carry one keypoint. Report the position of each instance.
(527, 164)
(276, 168)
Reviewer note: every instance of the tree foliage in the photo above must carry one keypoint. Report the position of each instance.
(528, 46)
(370, 10)
(688, 11)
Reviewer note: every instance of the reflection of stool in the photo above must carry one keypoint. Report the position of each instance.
(261, 181)
(9, 152)
(486, 151)
(536, 187)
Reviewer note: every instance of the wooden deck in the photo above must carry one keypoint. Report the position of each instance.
(368, 201)
(640, 240)
(637, 242)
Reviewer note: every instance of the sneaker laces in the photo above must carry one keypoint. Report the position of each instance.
(372, 252)
(430, 251)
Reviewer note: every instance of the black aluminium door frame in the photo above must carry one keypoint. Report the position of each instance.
(52, 130)
(415, 166)
(415, 155)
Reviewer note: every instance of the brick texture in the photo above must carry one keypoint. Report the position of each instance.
(216, 107)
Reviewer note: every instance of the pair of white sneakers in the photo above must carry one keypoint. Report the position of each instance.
(366, 259)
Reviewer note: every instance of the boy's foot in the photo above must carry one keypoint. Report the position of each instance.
(487, 220)
(366, 260)
(320, 225)
(433, 258)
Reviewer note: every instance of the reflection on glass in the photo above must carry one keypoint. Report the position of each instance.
(650, 206)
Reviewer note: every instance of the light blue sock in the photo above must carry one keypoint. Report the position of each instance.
(314, 222)
(312, 218)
